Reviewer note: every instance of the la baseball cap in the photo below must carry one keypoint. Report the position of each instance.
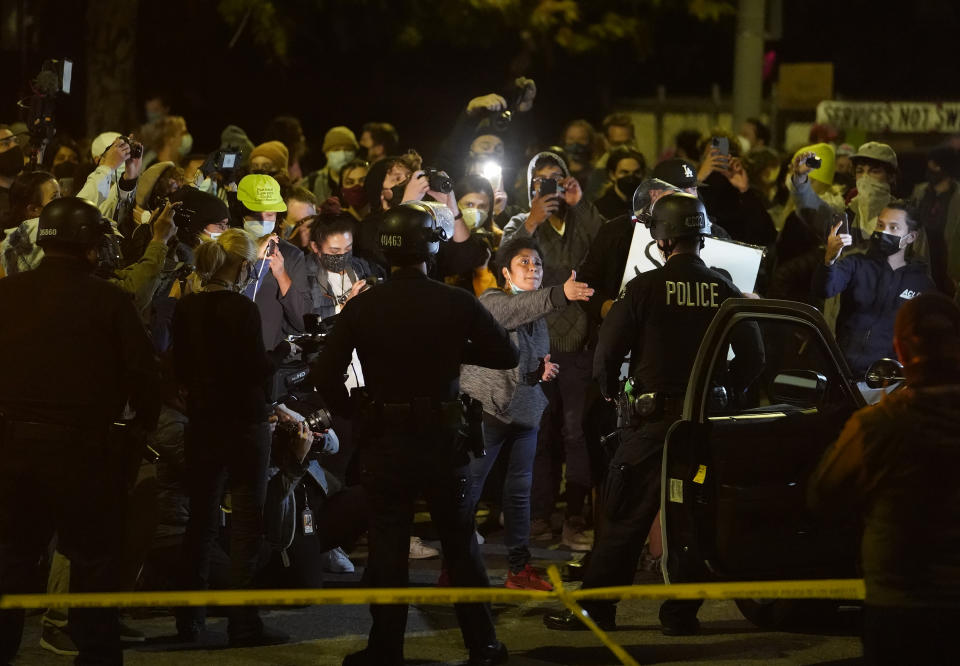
(261, 193)
(678, 172)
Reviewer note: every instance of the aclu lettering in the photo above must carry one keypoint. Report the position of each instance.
(391, 240)
(692, 294)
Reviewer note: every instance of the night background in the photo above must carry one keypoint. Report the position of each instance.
(416, 64)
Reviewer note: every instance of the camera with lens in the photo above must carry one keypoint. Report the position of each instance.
(136, 148)
(305, 408)
(813, 162)
(439, 181)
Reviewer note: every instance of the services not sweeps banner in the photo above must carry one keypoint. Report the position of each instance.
(892, 116)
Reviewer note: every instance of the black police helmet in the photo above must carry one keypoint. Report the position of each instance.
(678, 214)
(412, 232)
(71, 221)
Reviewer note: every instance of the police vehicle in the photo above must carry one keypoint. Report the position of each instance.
(735, 467)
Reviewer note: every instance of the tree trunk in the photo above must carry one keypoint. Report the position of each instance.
(111, 66)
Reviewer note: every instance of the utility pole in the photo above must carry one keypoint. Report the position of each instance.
(748, 62)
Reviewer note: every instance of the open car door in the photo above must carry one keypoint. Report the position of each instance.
(735, 468)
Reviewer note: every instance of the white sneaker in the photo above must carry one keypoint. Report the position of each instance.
(337, 562)
(420, 550)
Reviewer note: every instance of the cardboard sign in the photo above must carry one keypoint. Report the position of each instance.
(740, 260)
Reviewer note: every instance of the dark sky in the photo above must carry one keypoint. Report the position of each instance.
(343, 68)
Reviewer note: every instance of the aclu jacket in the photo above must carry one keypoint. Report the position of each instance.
(505, 394)
(871, 294)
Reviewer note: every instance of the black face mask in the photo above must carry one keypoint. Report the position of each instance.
(335, 263)
(628, 185)
(11, 162)
(64, 170)
(884, 244)
(934, 177)
(398, 191)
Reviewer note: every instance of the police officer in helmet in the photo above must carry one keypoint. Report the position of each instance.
(411, 335)
(76, 356)
(660, 319)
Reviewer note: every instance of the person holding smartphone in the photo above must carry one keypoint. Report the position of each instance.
(564, 225)
(280, 288)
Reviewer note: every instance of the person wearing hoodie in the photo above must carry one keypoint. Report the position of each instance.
(894, 463)
(513, 400)
(872, 285)
(564, 225)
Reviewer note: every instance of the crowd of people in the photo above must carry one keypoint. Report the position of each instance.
(236, 257)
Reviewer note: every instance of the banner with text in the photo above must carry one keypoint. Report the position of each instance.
(905, 117)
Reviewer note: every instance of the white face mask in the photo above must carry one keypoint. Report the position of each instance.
(872, 198)
(514, 289)
(213, 235)
(186, 144)
(259, 228)
(473, 217)
(337, 159)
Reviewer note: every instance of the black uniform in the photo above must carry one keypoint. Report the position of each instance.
(660, 320)
(75, 354)
(411, 335)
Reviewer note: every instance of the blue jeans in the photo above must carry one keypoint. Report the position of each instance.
(521, 442)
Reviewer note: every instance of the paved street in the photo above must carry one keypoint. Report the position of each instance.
(323, 635)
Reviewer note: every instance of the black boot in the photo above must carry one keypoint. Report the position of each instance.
(489, 655)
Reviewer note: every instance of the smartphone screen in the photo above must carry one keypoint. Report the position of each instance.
(548, 186)
(67, 76)
(722, 144)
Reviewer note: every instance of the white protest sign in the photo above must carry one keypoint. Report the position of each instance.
(740, 260)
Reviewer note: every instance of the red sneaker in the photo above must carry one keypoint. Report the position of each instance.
(527, 579)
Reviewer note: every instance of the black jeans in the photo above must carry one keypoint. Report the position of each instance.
(397, 468)
(562, 436)
(76, 489)
(630, 500)
(900, 635)
(216, 451)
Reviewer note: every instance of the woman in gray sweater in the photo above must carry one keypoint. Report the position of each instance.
(512, 399)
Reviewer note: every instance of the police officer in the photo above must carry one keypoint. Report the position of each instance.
(660, 320)
(76, 354)
(411, 335)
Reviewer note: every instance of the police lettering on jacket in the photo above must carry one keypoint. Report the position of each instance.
(692, 294)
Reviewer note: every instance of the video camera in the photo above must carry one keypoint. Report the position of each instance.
(39, 110)
(501, 120)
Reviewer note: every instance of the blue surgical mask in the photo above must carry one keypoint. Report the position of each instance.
(337, 159)
(259, 228)
(514, 289)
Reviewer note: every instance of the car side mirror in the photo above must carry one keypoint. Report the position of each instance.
(883, 373)
(799, 387)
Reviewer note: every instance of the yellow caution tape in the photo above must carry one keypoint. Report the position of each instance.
(788, 589)
(571, 603)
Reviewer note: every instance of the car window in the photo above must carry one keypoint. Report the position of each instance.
(795, 374)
